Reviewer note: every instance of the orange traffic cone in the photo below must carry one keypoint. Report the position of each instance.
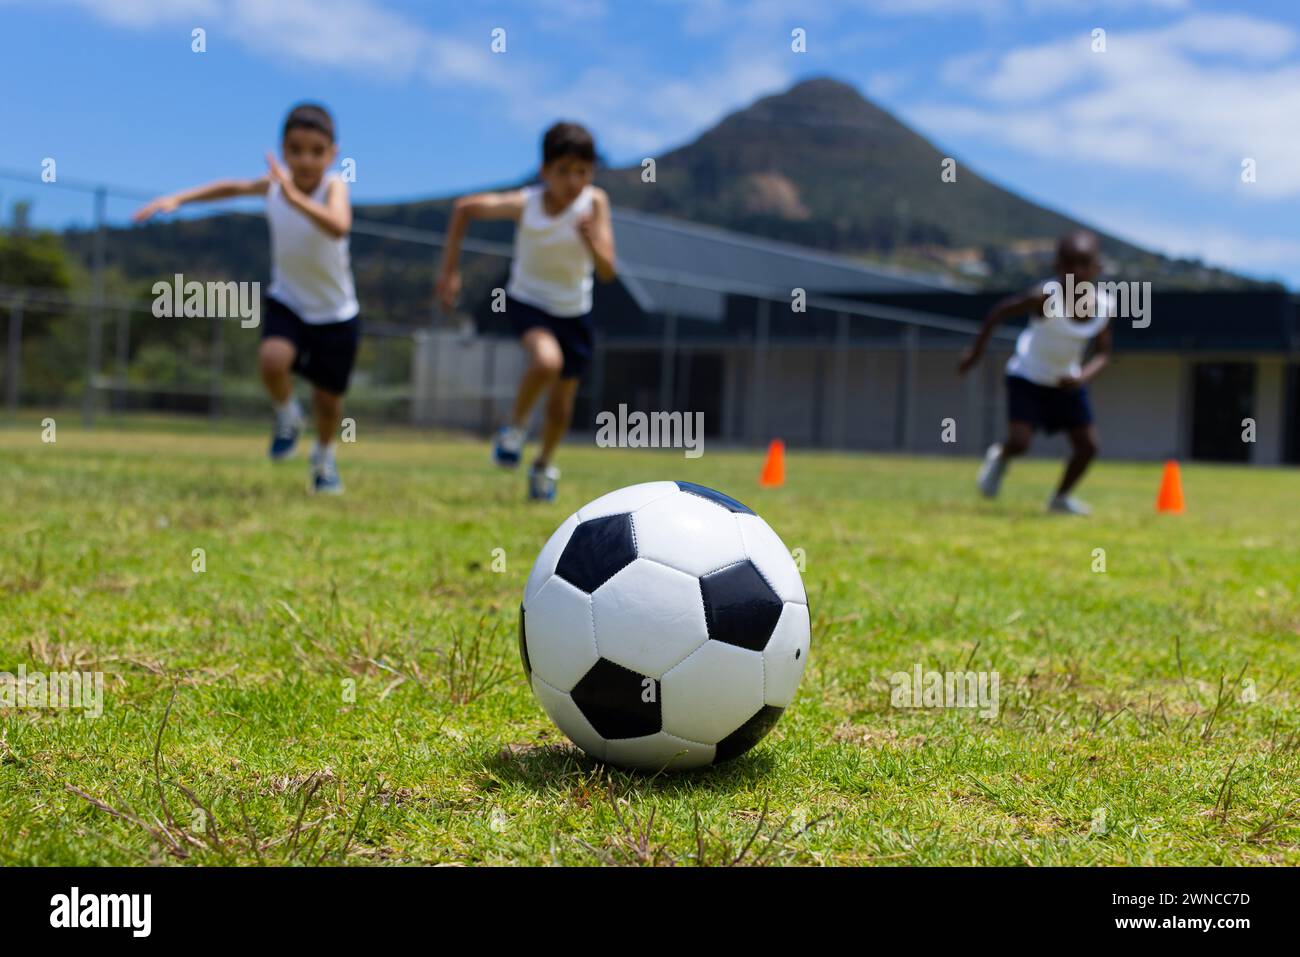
(773, 474)
(1170, 498)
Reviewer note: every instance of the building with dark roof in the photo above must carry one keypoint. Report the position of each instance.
(702, 319)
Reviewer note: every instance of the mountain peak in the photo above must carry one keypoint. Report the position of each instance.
(824, 87)
(821, 165)
(818, 101)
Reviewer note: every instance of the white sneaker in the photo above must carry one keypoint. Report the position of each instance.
(1068, 505)
(542, 481)
(508, 447)
(325, 479)
(991, 472)
(324, 473)
(284, 437)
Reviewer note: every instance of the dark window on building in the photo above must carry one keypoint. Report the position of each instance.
(630, 377)
(1291, 415)
(1223, 394)
(699, 388)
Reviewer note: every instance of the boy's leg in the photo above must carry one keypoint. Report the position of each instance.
(328, 407)
(543, 476)
(329, 414)
(1083, 449)
(332, 350)
(1019, 436)
(275, 358)
(557, 418)
(545, 362)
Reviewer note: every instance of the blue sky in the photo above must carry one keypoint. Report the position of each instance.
(1145, 140)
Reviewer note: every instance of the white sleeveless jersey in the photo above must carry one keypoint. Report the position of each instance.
(311, 271)
(1051, 347)
(552, 267)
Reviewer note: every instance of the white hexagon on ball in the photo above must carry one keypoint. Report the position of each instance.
(689, 533)
(786, 655)
(560, 638)
(769, 554)
(648, 617)
(544, 567)
(712, 693)
(625, 500)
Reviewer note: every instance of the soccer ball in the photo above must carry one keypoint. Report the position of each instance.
(664, 625)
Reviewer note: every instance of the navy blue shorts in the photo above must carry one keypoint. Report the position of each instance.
(1046, 407)
(325, 352)
(573, 333)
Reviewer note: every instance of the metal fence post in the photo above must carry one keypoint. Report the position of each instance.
(433, 371)
(215, 387)
(667, 363)
(989, 403)
(94, 339)
(758, 406)
(123, 351)
(840, 381)
(597, 375)
(489, 386)
(13, 357)
(682, 383)
(907, 390)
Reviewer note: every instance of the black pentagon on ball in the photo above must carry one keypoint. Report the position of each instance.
(748, 734)
(713, 495)
(523, 646)
(596, 551)
(740, 607)
(618, 702)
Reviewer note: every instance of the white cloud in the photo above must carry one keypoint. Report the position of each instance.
(646, 114)
(995, 9)
(883, 84)
(360, 36)
(148, 13)
(367, 38)
(1213, 243)
(352, 34)
(1191, 100)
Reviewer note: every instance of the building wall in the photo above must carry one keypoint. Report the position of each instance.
(1136, 401)
(942, 395)
(785, 405)
(871, 394)
(463, 382)
(858, 400)
(1269, 412)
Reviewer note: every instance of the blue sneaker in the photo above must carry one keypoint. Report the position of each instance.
(508, 446)
(284, 438)
(542, 482)
(325, 474)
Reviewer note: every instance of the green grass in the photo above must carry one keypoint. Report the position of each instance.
(1159, 697)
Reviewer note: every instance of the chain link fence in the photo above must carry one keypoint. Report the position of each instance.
(839, 373)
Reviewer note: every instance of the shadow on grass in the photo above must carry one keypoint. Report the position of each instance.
(545, 767)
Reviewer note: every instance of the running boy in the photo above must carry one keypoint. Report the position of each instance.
(563, 235)
(1047, 380)
(310, 321)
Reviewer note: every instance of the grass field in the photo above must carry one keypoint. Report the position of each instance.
(342, 683)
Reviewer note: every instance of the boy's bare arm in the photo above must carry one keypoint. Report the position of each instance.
(1100, 357)
(597, 231)
(1031, 301)
(220, 189)
(333, 217)
(508, 205)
